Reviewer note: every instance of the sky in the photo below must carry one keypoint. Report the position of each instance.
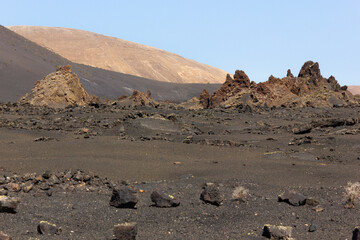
(261, 37)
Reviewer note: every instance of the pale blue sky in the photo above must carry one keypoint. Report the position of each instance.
(261, 37)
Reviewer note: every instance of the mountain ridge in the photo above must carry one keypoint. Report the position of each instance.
(23, 62)
(120, 55)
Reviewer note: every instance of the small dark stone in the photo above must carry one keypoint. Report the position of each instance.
(356, 234)
(163, 200)
(125, 231)
(124, 197)
(293, 198)
(312, 227)
(46, 174)
(47, 228)
(211, 194)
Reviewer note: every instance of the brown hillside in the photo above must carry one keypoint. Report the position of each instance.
(120, 56)
(354, 89)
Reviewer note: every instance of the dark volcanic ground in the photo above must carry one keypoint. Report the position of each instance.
(258, 151)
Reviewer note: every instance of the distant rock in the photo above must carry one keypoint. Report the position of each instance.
(139, 99)
(58, 90)
(289, 73)
(310, 69)
(205, 99)
(302, 129)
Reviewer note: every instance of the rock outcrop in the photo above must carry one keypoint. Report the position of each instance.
(58, 90)
(309, 89)
(205, 99)
(138, 99)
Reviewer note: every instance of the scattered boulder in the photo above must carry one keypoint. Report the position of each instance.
(8, 204)
(312, 227)
(4, 236)
(211, 194)
(312, 202)
(301, 140)
(293, 198)
(26, 187)
(163, 200)
(188, 139)
(58, 90)
(125, 231)
(302, 129)
(13, 187)
(124, 197)
(47, 228)
(277, 232)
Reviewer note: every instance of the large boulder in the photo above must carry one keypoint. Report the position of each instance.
(124, 197)
(58, 90)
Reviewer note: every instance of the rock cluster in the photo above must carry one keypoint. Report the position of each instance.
(58, 90)
(309, 89)
(69, 180)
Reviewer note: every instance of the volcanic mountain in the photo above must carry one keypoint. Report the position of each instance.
(23, 62)
(120, 56)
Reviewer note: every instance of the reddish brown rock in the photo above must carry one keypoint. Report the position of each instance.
(309, 89)
(205, 99)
